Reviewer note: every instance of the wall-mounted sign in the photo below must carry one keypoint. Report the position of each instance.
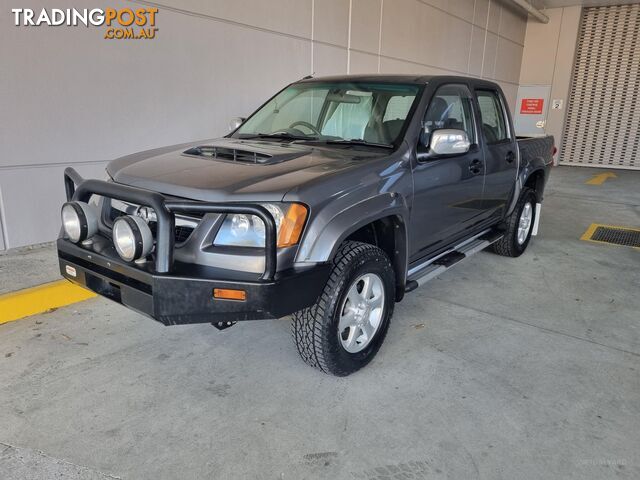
(532, 106)
(556, 104)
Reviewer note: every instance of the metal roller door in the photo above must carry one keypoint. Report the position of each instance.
(602, 128)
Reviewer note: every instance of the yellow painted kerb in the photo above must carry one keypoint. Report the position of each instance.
(31, 301)
(586, 236)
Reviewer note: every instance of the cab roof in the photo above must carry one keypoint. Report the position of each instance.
(398, 78)
(388, 78)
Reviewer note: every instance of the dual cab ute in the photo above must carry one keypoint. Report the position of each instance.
(329, 203)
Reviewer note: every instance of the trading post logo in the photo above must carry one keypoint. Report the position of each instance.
(121, 24)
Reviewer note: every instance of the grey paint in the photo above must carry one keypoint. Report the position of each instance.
(346, 189)
(377, 186)
(207, 179)
(76, 99)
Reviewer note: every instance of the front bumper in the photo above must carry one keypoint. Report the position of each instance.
(185, 295)
(175, 292)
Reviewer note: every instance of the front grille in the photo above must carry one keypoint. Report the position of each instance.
(185, 224)
(182, 234)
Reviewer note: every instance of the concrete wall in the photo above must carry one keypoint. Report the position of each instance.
(70, 97)
(549, 53)
(2, 246)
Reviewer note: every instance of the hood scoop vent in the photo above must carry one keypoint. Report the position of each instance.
(229, 154)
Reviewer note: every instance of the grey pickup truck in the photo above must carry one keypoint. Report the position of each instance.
(329, 203)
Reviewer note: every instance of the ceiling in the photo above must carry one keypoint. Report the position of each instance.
(587, 3)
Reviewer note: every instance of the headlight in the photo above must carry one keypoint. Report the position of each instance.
(132, 237)
(249, 231)
(79, 221)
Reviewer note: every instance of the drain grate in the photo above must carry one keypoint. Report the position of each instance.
(629, 237)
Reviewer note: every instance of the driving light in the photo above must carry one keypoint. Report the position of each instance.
(132, 237)
(79, 221)
(249, 231)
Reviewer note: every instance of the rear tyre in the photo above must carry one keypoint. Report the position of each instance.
(519, 226)
(344, 329)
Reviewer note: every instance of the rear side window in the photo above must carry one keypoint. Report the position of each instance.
(494, 128)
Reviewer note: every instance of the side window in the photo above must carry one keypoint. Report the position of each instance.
(450, 107)
(494, 128)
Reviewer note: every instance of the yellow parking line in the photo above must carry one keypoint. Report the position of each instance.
(31, 301)
(600, 178)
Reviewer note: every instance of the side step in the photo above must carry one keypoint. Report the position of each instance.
(439, 264)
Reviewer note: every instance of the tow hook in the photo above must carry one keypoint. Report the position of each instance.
(223, 325)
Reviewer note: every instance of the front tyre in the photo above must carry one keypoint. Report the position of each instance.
(344, 329)
(519, 226)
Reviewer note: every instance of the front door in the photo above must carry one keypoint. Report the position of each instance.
(447, 191)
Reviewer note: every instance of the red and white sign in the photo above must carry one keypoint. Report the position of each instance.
(532, 106)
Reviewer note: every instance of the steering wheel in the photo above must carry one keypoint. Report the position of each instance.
(310, 126)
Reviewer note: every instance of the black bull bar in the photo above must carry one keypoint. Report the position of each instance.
(79, 189)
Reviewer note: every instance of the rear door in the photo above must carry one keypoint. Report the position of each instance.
(448, 190)
(500, 151)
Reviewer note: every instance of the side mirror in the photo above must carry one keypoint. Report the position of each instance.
(449, 142)
(235, 123)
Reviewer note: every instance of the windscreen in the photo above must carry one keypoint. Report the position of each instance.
(348, 111)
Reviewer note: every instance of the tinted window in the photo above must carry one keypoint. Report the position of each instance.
(398, 107)
(491, 113)
(349, 120)
(450, 108)
(304, 105)
(327, 111)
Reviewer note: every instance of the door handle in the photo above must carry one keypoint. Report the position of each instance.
(475, 167)
(510, 157)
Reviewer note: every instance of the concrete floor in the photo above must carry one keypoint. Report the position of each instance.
(27, 267)
(502, 368)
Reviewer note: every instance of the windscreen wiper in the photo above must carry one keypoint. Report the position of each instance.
(282, 136)
(358, 142)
